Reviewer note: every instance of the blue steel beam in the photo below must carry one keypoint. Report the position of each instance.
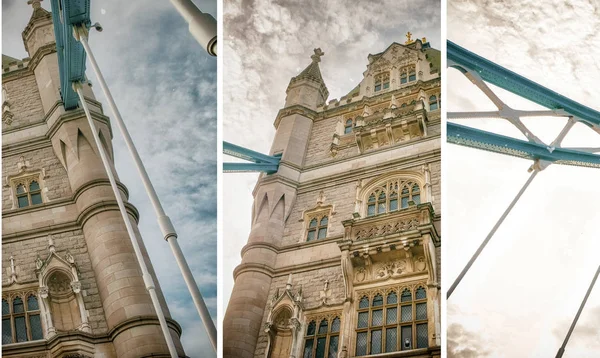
(475, 138)
(249, 155)
(518, 84)
(71, 55)
(250, 167)
(260, 162)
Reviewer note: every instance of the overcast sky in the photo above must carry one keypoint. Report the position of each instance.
(165, 87)
(521, 295)
(268, 43)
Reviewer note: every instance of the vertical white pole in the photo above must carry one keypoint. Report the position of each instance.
(164, 222)
(136, 247)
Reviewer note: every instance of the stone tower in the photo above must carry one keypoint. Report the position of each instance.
(71, 284)
(343, 258)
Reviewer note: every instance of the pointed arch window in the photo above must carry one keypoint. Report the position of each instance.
(391, 325)
(322, 342)
(28, 192)
(433, 103)
(382, 81)
(348, 126)
(21, 320)
(388, 197)
(317, 228)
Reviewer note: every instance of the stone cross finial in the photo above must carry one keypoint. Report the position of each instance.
(35, 3)
(408, 38)
(317, 56)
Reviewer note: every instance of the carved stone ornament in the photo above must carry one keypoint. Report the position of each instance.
(76, 286)
(387, 229)
(44, 292)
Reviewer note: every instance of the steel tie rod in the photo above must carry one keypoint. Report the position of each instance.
(561, 350)
(164, 222)
(489, 236)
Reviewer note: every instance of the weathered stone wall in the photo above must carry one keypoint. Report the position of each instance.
(56, 180)
(24, 253)
(24, 101)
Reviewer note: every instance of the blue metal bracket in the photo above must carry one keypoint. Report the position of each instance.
(260, 162)
(71, 55)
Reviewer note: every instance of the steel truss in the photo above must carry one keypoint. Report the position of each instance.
(479, 71)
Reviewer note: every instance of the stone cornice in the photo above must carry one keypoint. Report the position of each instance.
(26, 146)
(253, 267)
(73, 338)
(103, 206)
(295, 109)
(360, 173)
(78, 114)
(142, 321)
(45, 141)
(21, 71)
(40, 53)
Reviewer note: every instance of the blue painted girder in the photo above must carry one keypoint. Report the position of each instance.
(518, 84)
(260, 162)
(475, 138)
(71, 55)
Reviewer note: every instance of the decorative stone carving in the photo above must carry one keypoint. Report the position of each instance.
(76, 286)
(420, 264)
(43, 292)
(386, 229)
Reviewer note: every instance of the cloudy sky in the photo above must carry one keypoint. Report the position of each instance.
(266, 44)
(521, 295)
(165, 87)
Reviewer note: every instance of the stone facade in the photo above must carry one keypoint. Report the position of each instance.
(71, 284)
(343, 258)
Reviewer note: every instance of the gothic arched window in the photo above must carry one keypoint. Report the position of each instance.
(348, 126)
(22, 323)
(28, 193)
(433, 104)
(317, 228)
(323, 342)
(388, 197)
(391, 327)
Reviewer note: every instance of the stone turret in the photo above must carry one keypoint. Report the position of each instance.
(133, 327)
(273, 199)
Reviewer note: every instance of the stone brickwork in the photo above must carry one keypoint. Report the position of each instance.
(55, 180)
(24, 101)
(395, 138)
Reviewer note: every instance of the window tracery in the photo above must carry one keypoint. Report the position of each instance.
(392, 319)
(393, 195)
(382, 81)
(21, 320)
(321, 337)
(408, 74)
